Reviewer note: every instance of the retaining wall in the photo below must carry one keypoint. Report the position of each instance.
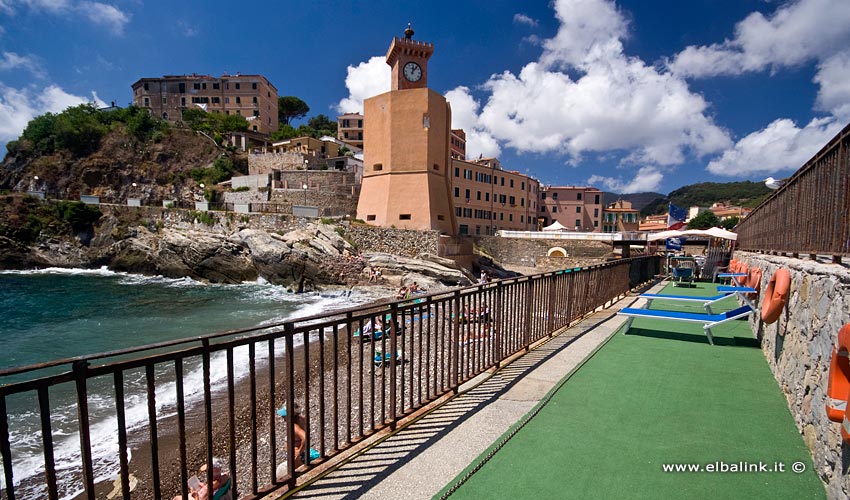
(798, 348)
(404, 242)
(530, 252)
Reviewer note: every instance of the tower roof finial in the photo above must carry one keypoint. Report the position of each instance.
(408, 33)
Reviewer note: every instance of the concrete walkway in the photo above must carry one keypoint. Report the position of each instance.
(417, 461)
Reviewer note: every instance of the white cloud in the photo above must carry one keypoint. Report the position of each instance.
(187, 29)
(795, 33)
(11, 60)
(616, 102)
(109, 16)
(781, 146)
(106, 15)
(365, 80)
(646, 179)
(834, 79)
(479, 142)
(19, 106)
(521, 18)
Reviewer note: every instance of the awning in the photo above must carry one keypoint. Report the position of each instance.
(555, 226)
(714, 232)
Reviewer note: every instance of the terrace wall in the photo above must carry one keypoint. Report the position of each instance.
(798, 348)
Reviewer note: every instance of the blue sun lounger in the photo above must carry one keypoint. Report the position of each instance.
(732, 277)
(708, 321)
(725, 293)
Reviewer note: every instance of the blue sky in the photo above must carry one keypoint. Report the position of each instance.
(628, 96)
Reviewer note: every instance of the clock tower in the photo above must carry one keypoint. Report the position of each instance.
(409, 62)
(406, 178)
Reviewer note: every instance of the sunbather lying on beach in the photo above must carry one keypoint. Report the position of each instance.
(199, 491)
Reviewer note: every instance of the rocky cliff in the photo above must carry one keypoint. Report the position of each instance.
(181, 243)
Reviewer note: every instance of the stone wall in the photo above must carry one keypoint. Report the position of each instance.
(266, 163)
(405, 242)
(527, 253)
(798, 348)
(336, 181)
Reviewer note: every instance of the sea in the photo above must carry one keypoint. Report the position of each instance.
(54, 313)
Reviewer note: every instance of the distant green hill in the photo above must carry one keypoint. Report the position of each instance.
(704, 194)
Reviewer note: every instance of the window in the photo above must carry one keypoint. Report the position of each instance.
(216, 85)
(254, 85)
(467, 194)
(183, 102)
(578, 196)
(147, 102)
(216, 100)
(554, 196)
(370, 217)
(146, 87)
(403, 216)
(226, 100)
(597, 200)
(345, 124)
(479, 196)
(254, 100)
(457, 192)
(441, 217)
(510, 217)
(512, 183)
(596, 223)
(578, 224)
(503, 181)
(254, 128)
(463, 229)
(467, 174)
(378, 166)
(238, 100)
(181, 87)
(457, 172)
(502, 216)
(522, 202)
(238, 85)
(436, 167)
(256, 113)
(543, 196)
(522, 185)
(359, 123)
(196, 86)
(578, 210)
(164, 100)
(513, 201)
(486, 196)
(554, 209)
(457, 211)
(204, 86)
(596, 212)
(226, 86)
(522, 219)
(239, 112)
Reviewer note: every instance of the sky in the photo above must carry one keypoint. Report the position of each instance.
(627, 96)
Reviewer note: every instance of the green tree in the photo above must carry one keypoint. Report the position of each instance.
(704, 220)
(290, 108)
(322, 125)
(284, 132)
(79, 129)
(730, 223)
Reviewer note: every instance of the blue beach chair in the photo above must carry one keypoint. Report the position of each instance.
(708, 321)
(707, 302)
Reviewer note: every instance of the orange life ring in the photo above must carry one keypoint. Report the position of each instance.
(838, 388)
(733, 266)
(776, 296)
(754, 281)
(743, 269)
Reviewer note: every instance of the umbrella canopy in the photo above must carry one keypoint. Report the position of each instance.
(555, 226)
(714, 232)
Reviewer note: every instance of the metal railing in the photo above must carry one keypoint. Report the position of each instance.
(353, 372)
(810, 212)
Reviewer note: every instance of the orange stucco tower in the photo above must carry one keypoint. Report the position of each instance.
(406, 181)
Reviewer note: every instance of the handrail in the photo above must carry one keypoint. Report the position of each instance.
(353, 372)
(810, 212)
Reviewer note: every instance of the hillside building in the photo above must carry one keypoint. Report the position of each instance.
(251, 96)
(487, 199)
(620, 217)
(575, 207)
(350, 129)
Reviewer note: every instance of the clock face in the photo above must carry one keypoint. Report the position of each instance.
(412, 71)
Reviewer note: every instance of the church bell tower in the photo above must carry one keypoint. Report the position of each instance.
(406, 178)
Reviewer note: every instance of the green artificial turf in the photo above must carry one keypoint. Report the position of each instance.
(659, 395)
